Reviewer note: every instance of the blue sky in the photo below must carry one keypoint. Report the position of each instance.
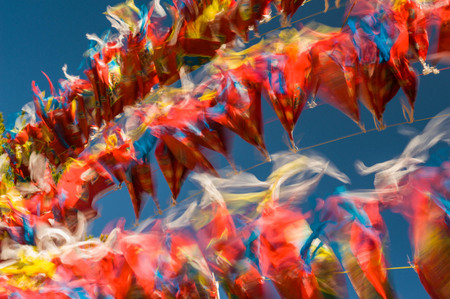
(44, 35)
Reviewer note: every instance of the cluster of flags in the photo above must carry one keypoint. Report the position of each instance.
(246, 237)
(367, 60)
(93, 135)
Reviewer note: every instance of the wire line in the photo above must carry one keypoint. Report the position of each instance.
(314, 146)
